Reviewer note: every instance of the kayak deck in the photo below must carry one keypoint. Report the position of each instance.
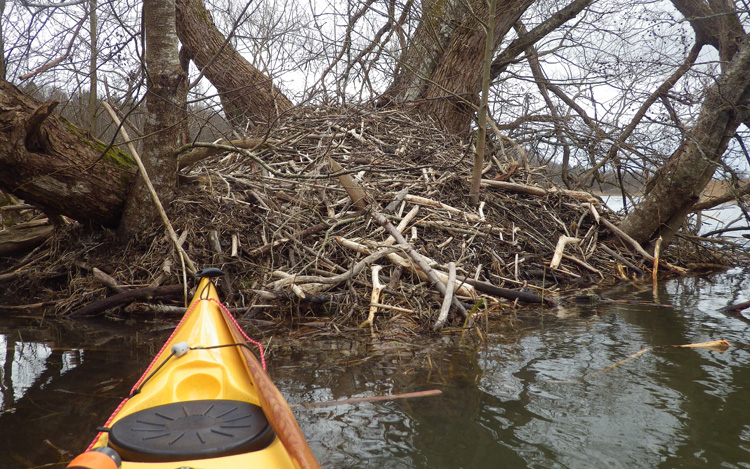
(201, 409)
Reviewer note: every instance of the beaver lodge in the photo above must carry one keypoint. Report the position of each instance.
(354, 218)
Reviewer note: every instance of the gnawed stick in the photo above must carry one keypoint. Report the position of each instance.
(464, 289)
(560, 248)
(336, 279)
(377, 289)
(418, 259)
(448, 299)
(394, 308)
(356, 400)
(200, 153)
(356, 192)
(359, 197)
(402, 225)
(716, 345)
(108, 281)
(539, 191)
(657, 253)
(434, 203)
(637, 246)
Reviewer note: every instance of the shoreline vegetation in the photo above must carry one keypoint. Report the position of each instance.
(354, 219)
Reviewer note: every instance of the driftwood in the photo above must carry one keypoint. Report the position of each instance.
(24, 236)
(127, 297)
(720, 346)
(539, 191)
(357, 400)
(189, 158)
(735, 308)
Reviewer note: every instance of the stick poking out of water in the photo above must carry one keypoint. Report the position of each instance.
(433, 392)
(715, 345)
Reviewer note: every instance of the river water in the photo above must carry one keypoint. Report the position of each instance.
(530, 394)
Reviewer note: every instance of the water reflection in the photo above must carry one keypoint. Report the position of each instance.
(528, 397)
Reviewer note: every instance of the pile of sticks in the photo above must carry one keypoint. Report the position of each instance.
(363, 217)
(303, 214)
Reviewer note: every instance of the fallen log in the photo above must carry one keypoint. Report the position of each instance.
(47, 162)
(511, 295)
(146, 294)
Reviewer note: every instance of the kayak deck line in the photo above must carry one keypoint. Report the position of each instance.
(205, 400)
(199, 297)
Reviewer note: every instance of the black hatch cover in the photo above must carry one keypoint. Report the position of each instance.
(191, 430)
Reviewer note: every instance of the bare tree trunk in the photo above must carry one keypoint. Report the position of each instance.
(441, 69)
(45, 161)
(678, 184)
(421, 57)
(452, 94)
(247, 94)
(165, 105)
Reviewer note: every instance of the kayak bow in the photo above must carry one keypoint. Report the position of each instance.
(205, 402)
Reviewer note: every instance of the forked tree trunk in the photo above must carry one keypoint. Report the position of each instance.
(452, 94)
(165, 118)
(247, 94)
(440, 71)
(48, 162)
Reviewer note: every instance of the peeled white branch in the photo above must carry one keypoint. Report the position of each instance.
(377, 289)
(557, 258)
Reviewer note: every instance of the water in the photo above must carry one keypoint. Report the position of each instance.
(528, 396)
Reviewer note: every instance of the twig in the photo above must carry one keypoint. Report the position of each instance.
(612, 227)
(561, 243)
(715, 345)
(377, 289)
(448, 299)
(356, 400)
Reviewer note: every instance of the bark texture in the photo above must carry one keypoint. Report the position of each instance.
(715, 23)
(440, 71)
(165, 117)
(48, 162)
(247, 94)
(677, 185)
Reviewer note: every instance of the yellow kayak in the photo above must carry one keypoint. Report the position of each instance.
(205, 402)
